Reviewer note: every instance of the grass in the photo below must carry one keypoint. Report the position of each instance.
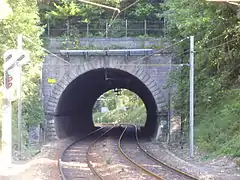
(218, 128)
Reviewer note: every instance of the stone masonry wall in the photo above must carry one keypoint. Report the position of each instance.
(157, 66)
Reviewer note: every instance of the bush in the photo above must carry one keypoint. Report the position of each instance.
(135, 112)
(218, 129)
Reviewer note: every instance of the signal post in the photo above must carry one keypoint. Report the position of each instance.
(7, 116)
(13, 59)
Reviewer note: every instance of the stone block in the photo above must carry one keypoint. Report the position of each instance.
(154, 77)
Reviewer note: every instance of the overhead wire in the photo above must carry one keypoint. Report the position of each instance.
(160, 50)
(215, 38)
(211, 40)
(207, 49)
(113, 15)
(182, 53)
(119, 12)
(113, 19)
(100, 5)
(28, 39)
(219, 45)
(178, 54)
(124, 9)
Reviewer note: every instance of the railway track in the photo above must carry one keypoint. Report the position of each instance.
(75, 160)
(71, 165)
(155, 167)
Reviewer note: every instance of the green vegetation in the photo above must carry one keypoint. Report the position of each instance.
(25, 21)
(125, 107)
(216, 30)
(63, 9)
(70, 18)
(218, 129)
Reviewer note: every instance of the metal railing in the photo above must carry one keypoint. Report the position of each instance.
(103, 28)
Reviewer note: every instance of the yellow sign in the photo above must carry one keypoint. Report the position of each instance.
(52, 81)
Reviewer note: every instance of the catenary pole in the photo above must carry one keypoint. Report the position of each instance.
(191, 98)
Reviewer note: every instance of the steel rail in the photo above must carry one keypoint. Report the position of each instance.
(159, 161)
(94, 171)
(132, 161)
(60, 166)
(150, 156)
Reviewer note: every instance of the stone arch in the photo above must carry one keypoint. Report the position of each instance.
(77, 70)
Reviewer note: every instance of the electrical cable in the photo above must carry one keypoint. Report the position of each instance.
(207, 49)
(181, 53)
(100, 5)
(219, 45)
(114, 19)
(28, 39)
(112, 16)
(160, 50)
(124, 9)
(215, 38)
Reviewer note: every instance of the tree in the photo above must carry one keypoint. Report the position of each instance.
(141, 10)
(25, 20)
(217, 65)
(206, 21)
(144, 10)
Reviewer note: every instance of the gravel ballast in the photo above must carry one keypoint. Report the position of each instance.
(45, 165)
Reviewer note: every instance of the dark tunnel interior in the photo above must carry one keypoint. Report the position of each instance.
(75, 105)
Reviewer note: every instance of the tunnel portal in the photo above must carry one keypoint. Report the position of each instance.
(74, 108)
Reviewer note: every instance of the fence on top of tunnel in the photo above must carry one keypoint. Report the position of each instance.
(69, 27)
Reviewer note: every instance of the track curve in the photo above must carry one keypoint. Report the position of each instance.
(99, 134)
(170, 169)
(88, 152)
